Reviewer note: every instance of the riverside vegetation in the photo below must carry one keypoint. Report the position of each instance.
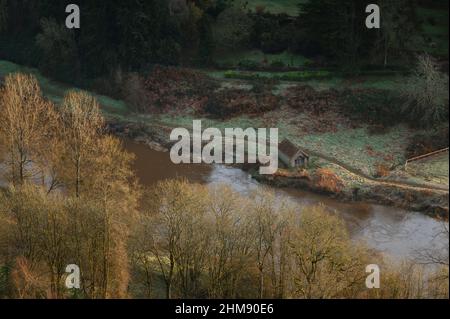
(71, 198)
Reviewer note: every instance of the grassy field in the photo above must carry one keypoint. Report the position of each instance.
(355, 147)
(319, 80)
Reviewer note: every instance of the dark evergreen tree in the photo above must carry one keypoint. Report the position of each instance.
(339, 28)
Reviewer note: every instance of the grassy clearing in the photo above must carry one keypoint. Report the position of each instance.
(355, 147)
(433, 170)
(319, 80)
(257, 57)
(55, 91)
(293, 76)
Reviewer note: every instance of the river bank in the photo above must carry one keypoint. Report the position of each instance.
(398, 233)
(352, 146)
(432, 202)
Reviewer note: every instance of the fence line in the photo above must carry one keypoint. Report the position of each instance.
(414, 159)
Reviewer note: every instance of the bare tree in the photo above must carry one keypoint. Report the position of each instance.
(81, 126)
(327, 264)
(170, 205)
(230, 254)
(23, 124)
(436, 256)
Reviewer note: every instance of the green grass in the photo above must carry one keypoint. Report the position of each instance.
(378, 82)
(319, 80)
(351, 146)
(289, 7)
(55, 91)
(294, 76)
(434, 170)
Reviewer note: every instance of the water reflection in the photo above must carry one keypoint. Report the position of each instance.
(394, 231)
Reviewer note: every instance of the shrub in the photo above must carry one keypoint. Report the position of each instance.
(134, 92)
(271, 42)
(327, 180)
(372, 106)
(170, 88)
(305, 98)
(277, 64)
(426, 94)
(382, 170)
(422, 144)
(294, 76)
(260, 9)
(303, 75)
(169, 52)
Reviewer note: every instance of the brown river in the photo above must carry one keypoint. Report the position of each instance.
(398, 233)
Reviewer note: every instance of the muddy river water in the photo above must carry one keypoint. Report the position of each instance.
(398, 233)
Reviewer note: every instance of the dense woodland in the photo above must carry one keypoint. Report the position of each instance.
(122, 47)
